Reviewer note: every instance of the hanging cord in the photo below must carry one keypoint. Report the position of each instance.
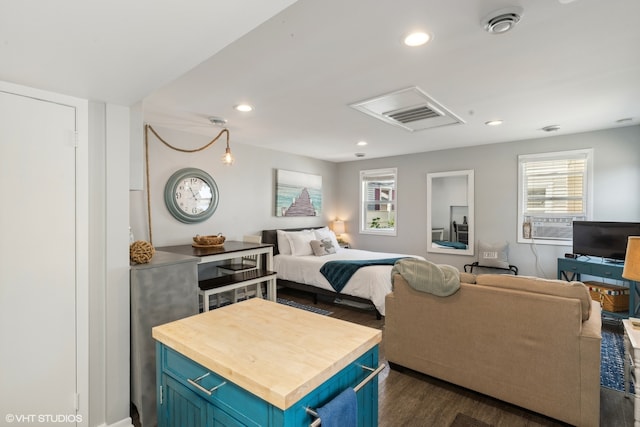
(148, 128)
(225, 130)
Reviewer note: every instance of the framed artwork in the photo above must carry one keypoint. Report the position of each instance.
(298, 194)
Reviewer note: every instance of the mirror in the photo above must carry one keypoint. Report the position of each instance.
(450, 212)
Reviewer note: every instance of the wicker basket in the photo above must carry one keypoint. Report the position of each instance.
(612, 298)
(208, 241)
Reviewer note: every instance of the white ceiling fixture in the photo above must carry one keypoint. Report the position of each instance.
(503, 20)
(417, 38)
(551, 128)
(217, 121)
(411, 109)
(245, 108)
(493, 123)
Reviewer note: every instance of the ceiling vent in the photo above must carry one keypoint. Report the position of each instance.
(410, 109)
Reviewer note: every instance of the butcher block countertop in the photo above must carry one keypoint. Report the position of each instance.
(276, 352)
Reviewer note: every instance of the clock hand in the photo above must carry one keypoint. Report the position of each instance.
(194, 194)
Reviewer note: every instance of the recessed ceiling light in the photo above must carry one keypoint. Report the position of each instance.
(625, 120)
(361, 143)
(245, 108)
(493, 123)
(359, 154)
(417, 38)
(551, 128)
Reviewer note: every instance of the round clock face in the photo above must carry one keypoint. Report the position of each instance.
(191, 195)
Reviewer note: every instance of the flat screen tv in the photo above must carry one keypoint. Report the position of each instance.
(606, 239)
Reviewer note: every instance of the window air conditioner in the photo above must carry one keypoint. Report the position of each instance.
(553, 228)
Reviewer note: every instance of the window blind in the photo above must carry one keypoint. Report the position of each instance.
(555, 186)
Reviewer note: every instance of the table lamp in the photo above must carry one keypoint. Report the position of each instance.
(631, 269)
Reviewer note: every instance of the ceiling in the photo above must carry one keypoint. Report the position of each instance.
(575, 64)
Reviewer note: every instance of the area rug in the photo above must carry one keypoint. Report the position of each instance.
(463, 420)
(612, 360)
(303, 306)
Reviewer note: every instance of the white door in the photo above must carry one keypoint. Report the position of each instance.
(37, 262)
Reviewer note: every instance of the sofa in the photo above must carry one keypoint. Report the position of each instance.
(531, 342)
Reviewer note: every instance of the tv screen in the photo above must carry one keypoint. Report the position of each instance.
(604, 239)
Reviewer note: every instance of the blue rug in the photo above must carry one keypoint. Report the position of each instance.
(303, 306)
(612, 361)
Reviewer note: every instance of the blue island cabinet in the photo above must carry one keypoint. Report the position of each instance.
(192, 394)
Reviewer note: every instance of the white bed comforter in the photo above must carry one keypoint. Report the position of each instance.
(371, 282)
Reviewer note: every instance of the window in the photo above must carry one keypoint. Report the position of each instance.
(378, 201)
(554, 189)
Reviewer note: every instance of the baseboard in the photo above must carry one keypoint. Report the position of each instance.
(126, 422)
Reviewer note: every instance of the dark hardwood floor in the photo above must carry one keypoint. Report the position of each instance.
(409, 398)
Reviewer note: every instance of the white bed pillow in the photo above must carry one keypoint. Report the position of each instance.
(324, 233)
(300, 242)
(284, 247)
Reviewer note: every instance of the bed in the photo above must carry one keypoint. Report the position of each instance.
(302, 270)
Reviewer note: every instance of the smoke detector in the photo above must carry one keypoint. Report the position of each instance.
(502, 20)
(217, 121)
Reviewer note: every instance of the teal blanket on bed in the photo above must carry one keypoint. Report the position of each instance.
(338, 273)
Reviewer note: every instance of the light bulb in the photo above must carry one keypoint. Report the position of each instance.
(227, 159)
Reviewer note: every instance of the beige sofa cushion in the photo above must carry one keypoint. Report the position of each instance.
(467, 277)
(560, 288)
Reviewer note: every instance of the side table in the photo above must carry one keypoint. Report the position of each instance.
(632, 363)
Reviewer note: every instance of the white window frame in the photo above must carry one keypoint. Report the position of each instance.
(527, 219)
(365, 175)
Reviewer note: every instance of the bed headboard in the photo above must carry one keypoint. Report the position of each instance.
(271, 236)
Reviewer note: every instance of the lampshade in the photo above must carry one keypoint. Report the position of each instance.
(338, 227)
(632, 260)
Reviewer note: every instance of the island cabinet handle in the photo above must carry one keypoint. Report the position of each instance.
(202, 389)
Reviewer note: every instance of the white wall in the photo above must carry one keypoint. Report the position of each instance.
(616, 193)
(108, 265)
(247, 189)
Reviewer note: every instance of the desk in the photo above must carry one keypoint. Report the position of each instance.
(632, 360)
(571, 269)
(230, 250)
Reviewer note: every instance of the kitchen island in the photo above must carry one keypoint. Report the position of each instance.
(258, 362)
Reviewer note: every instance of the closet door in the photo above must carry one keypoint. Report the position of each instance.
(37, 261)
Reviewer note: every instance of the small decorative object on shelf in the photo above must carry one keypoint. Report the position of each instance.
(141, 252)
(208, 241)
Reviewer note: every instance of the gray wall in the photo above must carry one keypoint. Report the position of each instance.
(246, 189)
(616, 193)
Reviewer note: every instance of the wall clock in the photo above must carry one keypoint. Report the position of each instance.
(191, 195)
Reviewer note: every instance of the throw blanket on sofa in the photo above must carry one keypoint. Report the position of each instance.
(441, 280)
(338, 273)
